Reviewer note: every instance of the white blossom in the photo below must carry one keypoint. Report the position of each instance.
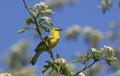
(5, 74)
(98, 34)
(74, 28)
(109, 48)
(81, 74)
(47, 19)
(93, 49)
(16, 49)
(61, 61)
(41, 4)
(69, 31)
(87, 30)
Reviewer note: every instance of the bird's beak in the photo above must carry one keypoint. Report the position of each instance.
(60, 29)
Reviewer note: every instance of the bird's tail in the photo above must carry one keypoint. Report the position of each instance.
(34, 59)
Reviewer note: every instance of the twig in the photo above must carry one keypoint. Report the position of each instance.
(87, 67)
(27, 8)
(38, 30)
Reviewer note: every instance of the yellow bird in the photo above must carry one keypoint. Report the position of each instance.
(52, 39)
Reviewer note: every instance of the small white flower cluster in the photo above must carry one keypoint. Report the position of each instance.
(41, 4)
(87, 29)
(17, 48)
(93, 49)
(74, 28)
(107, 48)
(5, 74)
(61, 62)
(81, 74)
(73, 31)
(47, 19)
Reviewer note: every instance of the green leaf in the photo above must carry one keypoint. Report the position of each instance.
(39, 11)
(103, 2)
(28, 21)
(44, 70)
(32, 11)
(114, 59)
(57, 68)
(49, 24)
(51, 71)
(46, 29)
(21, 30)
(48, 11)
(96, 54)
(87, 57)
(109, 53)
(49, 62)
(105, 5)
(108, 60)
(46, 67)
(75, 61)
(111, 59)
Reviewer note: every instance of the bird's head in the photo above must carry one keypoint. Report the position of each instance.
(56, 30)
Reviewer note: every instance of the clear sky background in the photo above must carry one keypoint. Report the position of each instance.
(84, 13)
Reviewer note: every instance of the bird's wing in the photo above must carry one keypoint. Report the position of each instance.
(42, 44)
(38, 46)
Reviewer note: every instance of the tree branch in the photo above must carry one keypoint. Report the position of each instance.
(87, 67)
(39, 32)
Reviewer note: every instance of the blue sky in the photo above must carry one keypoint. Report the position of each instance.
(84, 12)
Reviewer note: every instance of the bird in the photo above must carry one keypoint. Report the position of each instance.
(51, 40)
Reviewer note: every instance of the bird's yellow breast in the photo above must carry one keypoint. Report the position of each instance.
(53, 42)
